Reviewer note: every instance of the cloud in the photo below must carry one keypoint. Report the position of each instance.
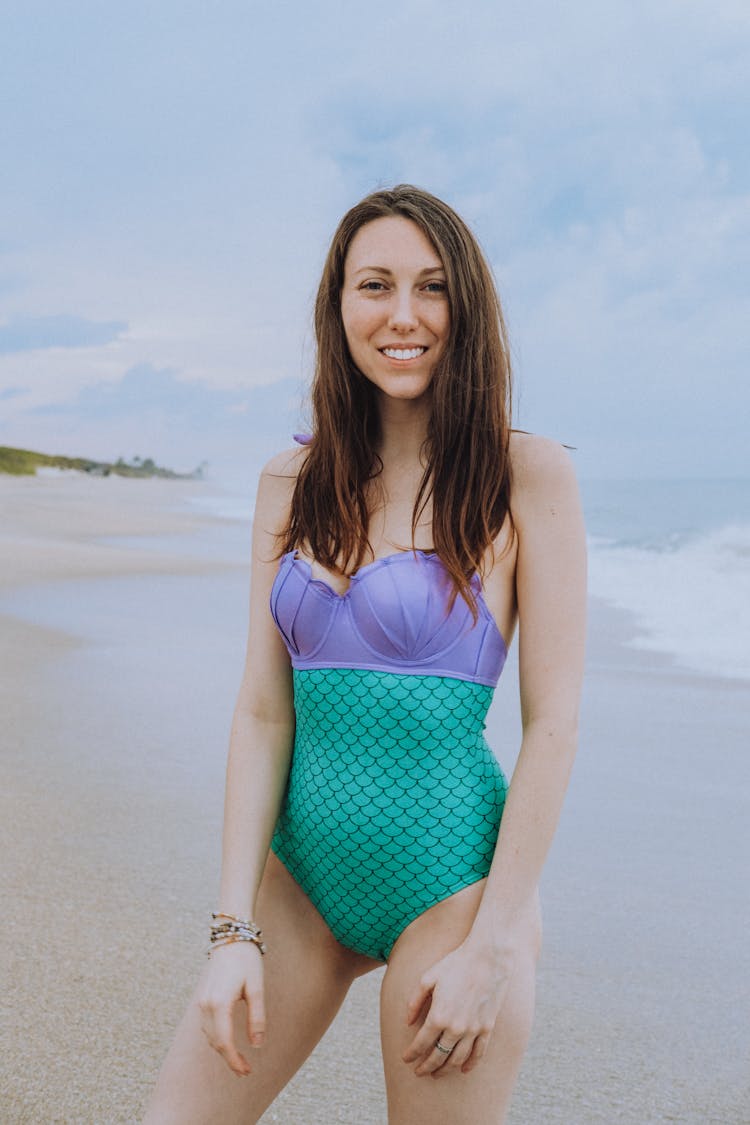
(144, 390)
(38, 333)
(597, 150)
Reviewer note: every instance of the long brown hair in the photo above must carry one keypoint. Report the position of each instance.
(467, 468)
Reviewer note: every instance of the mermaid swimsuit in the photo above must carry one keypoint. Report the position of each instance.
(394, 797)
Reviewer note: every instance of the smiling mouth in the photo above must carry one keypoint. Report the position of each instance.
(403, 353)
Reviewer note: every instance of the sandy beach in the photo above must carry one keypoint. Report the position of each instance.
(122, 627)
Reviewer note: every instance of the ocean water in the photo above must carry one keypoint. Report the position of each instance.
(676, 554)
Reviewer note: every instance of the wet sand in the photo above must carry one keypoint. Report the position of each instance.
(122, 623)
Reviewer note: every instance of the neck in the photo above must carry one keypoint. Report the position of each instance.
(403, 429)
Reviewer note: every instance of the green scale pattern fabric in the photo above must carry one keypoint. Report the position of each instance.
(393, 801)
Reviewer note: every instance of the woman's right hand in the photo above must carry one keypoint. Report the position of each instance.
(234, 973)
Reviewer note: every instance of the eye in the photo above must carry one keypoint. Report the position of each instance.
(436, 287)
(372, 286)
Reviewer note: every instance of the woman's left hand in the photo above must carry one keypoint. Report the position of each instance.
(460, 997)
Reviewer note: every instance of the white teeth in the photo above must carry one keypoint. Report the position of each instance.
(403, 353)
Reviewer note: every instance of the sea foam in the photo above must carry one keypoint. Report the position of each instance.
(691, 598)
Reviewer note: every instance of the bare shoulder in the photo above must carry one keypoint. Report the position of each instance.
(536, 459)
(543, 478)
(275, 487)
(285, 465)
(279, 475)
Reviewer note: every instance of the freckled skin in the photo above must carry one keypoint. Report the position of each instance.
(394, 295)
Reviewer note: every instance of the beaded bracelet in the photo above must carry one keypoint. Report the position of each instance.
(232, 929)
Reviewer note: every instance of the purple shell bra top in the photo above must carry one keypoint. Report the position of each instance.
(393, 618)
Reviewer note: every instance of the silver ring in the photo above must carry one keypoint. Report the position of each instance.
(443, 1050)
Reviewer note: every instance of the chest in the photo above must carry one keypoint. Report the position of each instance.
(391, 506)
(396, 616)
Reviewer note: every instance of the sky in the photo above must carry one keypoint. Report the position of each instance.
(173, 172)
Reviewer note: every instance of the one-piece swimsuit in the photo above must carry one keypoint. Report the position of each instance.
(394, 798)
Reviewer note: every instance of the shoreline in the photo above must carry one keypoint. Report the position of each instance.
(75, 526)
(111, 813)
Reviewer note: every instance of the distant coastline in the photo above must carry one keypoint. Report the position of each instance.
(25, 462)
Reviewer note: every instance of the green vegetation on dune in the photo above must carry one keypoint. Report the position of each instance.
(25, 462)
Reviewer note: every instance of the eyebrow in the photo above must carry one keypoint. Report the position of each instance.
(385, 270)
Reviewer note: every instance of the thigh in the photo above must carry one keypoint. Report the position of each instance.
(482, 1096)
(307, 974)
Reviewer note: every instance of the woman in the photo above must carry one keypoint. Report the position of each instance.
(396, 549)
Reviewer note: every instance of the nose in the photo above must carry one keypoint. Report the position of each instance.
(402, 313)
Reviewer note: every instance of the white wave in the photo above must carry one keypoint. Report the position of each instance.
(225, 505)
(692, 600)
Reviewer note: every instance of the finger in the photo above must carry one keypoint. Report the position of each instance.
(433, 1031)
(423, 1043)
(222, 1040)
(436, 1061)
(478, 1051)
(457, 1057)
(418, 1000)
(256, 1017)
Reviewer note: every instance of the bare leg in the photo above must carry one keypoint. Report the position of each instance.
(307, 975)
(482, 1096)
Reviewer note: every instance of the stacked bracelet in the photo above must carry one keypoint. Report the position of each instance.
(228, 928)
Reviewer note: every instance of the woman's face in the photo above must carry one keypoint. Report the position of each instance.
(394, 305)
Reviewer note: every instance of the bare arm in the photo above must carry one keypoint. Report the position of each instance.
(260, 749)
(263, 725)
(551, 593)
(467, 988)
